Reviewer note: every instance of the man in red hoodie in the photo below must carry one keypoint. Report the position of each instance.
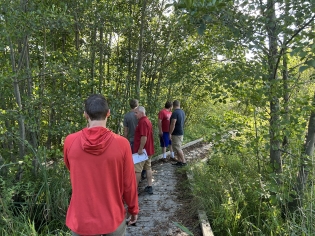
(102, 176)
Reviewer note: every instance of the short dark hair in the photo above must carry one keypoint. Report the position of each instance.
(176, 103)
(96, 107)
(168, 105)
(133, 103)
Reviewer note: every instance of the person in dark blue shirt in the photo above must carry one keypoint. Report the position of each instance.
(177, 132)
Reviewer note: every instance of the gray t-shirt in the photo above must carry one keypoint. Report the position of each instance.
(131, 122)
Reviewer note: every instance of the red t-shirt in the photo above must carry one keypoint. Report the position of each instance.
(144, 128)
(164, 116)
(102, 178)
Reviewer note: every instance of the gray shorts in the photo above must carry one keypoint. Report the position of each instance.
(120, 231)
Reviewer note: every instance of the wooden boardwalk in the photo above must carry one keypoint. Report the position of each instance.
(156, 214)
(156, 210)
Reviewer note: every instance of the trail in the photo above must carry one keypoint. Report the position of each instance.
(158, 211)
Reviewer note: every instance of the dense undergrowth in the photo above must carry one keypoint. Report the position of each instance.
(236, 186)
(239, 200)
(35, 202)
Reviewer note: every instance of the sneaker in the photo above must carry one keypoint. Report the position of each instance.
(148, 189)
(177, 163)
(163, 160)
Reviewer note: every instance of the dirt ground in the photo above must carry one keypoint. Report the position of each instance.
(187, 215)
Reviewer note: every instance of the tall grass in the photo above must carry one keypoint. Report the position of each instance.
(240, 201)
(36, 204)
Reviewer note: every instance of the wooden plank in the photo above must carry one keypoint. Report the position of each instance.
(204, 224)
(155, 158)
(192, 143)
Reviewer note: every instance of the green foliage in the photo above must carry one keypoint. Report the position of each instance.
(240, 201)
(183, 228)
(213, 56)
(38, 203)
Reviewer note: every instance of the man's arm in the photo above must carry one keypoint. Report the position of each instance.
(143, 141)
(65, 159)
(172, 126)
(160, 127)
(67, 143)
(130, 194)
(126, 132)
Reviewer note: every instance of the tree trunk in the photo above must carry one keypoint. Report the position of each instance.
(101, 62)
(93, 45)
(17, 95)
(32, 131)
(286, 116)
(309, 152)
(130, 61)
(275, 155)
(140, 50)
(305, 163)
(108, 53)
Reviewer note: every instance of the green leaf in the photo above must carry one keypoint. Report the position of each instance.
(201, 28)
(183, 228)
(303, 68)
(168, 5)
(311, 62)
(252, 7)
(302, 54)
(295, 51)
(207, 18)
(244, 4)
(273, 200)
(189, 3)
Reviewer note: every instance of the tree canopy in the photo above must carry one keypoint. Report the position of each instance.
(242, 69)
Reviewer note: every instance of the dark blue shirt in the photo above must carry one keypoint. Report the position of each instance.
(179, 115)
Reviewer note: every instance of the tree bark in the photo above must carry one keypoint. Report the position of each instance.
(140, 50)
(309, 152)
(286, 116)
(17, 95)
(101, 62)
(275, 155)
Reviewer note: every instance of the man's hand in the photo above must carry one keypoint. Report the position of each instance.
(143, 141)
(161, 134)
(133, 219)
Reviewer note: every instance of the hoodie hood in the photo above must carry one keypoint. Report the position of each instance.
(96, 140)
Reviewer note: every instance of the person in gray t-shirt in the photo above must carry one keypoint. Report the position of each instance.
(131, 122)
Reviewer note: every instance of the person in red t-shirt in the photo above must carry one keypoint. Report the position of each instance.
(164, 128)
(102, 176)
(143, 140)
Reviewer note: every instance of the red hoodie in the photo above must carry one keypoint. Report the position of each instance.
(102, 177)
